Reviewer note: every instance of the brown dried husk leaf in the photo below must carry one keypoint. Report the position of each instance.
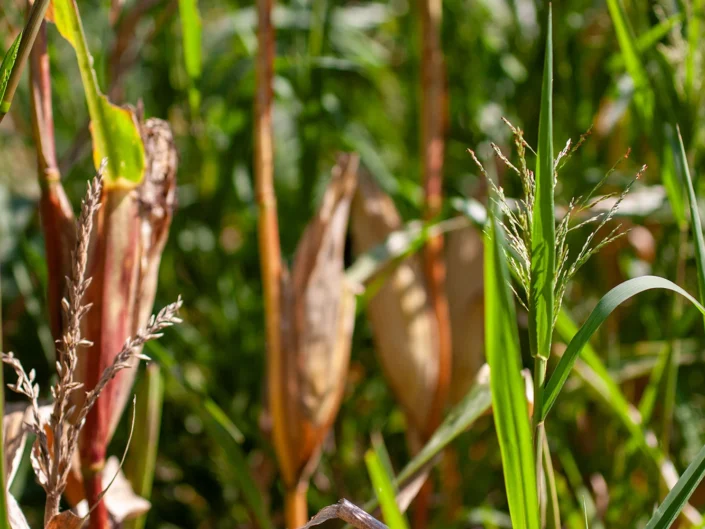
(130, 231)
(65, 520)
(465, 291)
(400, 313)
(318, 310)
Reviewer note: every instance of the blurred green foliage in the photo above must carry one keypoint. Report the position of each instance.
(347, 78)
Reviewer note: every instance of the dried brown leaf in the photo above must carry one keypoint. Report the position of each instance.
(318, 309)
(348, 512)
(65, 520)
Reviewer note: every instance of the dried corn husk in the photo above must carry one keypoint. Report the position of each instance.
(129, 235)
(465, 291)
(318, 309)
(403, 324)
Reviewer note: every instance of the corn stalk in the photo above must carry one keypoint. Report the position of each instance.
(432, 145)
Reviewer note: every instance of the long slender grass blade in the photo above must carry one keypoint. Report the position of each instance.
(543, 229)
(511, 416)
(142, 458)
(382, 484)
(643, 97)
(604, 308)
(694, 218)
(677, 498)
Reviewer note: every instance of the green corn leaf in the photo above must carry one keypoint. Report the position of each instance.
(543, 229)
(678, 496)
(604, 308)
(114, 130)
(8, 63)
(511, 416)
(694, 217)
(384, 490)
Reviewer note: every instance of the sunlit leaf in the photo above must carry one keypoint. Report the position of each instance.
(511, 416)
(114, 129)
(604, 308)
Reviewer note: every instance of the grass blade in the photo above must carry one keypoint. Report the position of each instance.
(510, 410)
(459, 419)
(604, 308)
(694, 217)
(643, 96)
(191, 34)
(142, 459)
(382, 484)
(677, 498)
(8, 63)
(543, 229)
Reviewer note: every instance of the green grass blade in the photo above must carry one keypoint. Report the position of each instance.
(8, 63)
(458, 420)
(543, 229)
(643, 96)
(678, 496)
(142, 458)
(511, 416)
(191, 35)
(113, 129)
(693, 47)
(648, 40)
(384, 490)
(694, 217)
(671, 176)
(604, 308)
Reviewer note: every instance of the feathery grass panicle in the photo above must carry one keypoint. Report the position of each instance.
(52, 461)
(517, 216)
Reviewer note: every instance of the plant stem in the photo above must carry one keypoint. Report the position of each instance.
(269, 245)
(432, 141)
(540, 366)
(432, 146)
(93, 486)
(34, 22)
(296, 506)
(51, 507)
(674, 352)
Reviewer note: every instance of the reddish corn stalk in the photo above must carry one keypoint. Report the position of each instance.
(57, 217)
(127, 243)
(432, 144)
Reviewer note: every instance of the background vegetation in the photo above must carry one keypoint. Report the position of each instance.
(347, 78)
